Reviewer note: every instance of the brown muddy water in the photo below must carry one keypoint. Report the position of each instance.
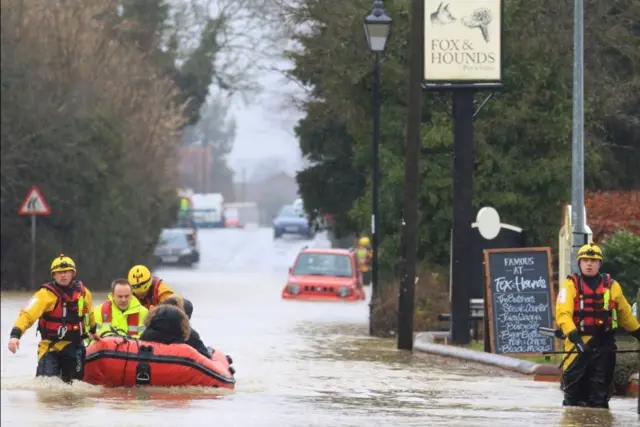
(300, 364)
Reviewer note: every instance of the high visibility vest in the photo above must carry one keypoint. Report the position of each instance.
(363, 258)
(133, 320)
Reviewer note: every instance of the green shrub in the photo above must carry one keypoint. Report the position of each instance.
(627, 364)
(431, 299)
(622, 252)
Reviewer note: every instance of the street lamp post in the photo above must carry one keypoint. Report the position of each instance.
(377, 27)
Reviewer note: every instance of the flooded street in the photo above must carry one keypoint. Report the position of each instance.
(298, 364)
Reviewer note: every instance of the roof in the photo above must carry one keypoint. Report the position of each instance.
(336, 251)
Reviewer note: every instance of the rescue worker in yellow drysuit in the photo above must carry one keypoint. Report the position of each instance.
(589, 308)
(364, 259)
(63, 309)
(149, 290)
(122, 313)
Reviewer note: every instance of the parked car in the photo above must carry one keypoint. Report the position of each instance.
(324, 274)
(291, 220)
(177, 246)
(232, 218)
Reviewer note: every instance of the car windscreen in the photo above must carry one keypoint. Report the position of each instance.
(290, 211)
(231, 213)
(185, 222)
(323, 265)
(174, 238)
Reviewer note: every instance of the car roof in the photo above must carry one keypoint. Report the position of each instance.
(177, 230)
(334, 251)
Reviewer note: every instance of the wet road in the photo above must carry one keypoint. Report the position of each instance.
(299, 364)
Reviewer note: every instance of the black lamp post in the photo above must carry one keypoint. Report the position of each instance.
(377, 27)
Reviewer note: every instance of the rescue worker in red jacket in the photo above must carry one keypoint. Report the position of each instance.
(589, 308)
(149, 290)
(63, 309)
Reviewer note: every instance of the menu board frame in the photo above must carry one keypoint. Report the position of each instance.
(489, 308)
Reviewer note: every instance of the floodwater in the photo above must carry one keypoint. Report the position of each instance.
(299, 364)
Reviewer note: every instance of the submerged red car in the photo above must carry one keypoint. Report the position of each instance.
(324, 275)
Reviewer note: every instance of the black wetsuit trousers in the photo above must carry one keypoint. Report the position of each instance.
(588, 381)
(67, 364)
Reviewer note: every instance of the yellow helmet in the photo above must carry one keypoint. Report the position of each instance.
(62, 263)
(364, 241)
(140, 279)
(590, 251)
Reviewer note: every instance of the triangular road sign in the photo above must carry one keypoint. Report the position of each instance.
(34, 203)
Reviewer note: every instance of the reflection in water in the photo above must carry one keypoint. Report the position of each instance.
(299, 364)
(62, 399)
(169, 398)
(581, 417)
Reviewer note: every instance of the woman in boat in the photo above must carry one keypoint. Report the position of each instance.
(166, 324)
(194, 337)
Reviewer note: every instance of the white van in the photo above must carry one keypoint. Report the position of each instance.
(207, 210)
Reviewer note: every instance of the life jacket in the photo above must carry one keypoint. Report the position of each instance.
(593, 309)
(132, 319)
(363, 258)
(68, 319)
(151, 298)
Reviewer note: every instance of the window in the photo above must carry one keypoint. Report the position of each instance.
(174, 238)
(291, 211)
(323, 265)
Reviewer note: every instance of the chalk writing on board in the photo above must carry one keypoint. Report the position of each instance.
(521, 301)
(516, 314)
(519, 284)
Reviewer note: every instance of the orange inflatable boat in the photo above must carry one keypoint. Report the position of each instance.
(126, 362)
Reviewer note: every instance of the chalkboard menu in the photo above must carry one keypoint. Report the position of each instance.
(519, 297)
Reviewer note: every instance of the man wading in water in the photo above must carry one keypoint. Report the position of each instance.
(589, 308)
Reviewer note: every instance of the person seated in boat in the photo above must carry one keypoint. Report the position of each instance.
(194, 337)
(149, 289)
(166, 324)
(121, 313)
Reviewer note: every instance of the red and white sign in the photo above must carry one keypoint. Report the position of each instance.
(34, 203)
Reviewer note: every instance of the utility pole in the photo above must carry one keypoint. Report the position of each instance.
(244, 184)
(577, 152)
(406, 298)
(204, 168)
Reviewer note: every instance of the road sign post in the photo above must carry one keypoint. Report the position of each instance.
(34, 204)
